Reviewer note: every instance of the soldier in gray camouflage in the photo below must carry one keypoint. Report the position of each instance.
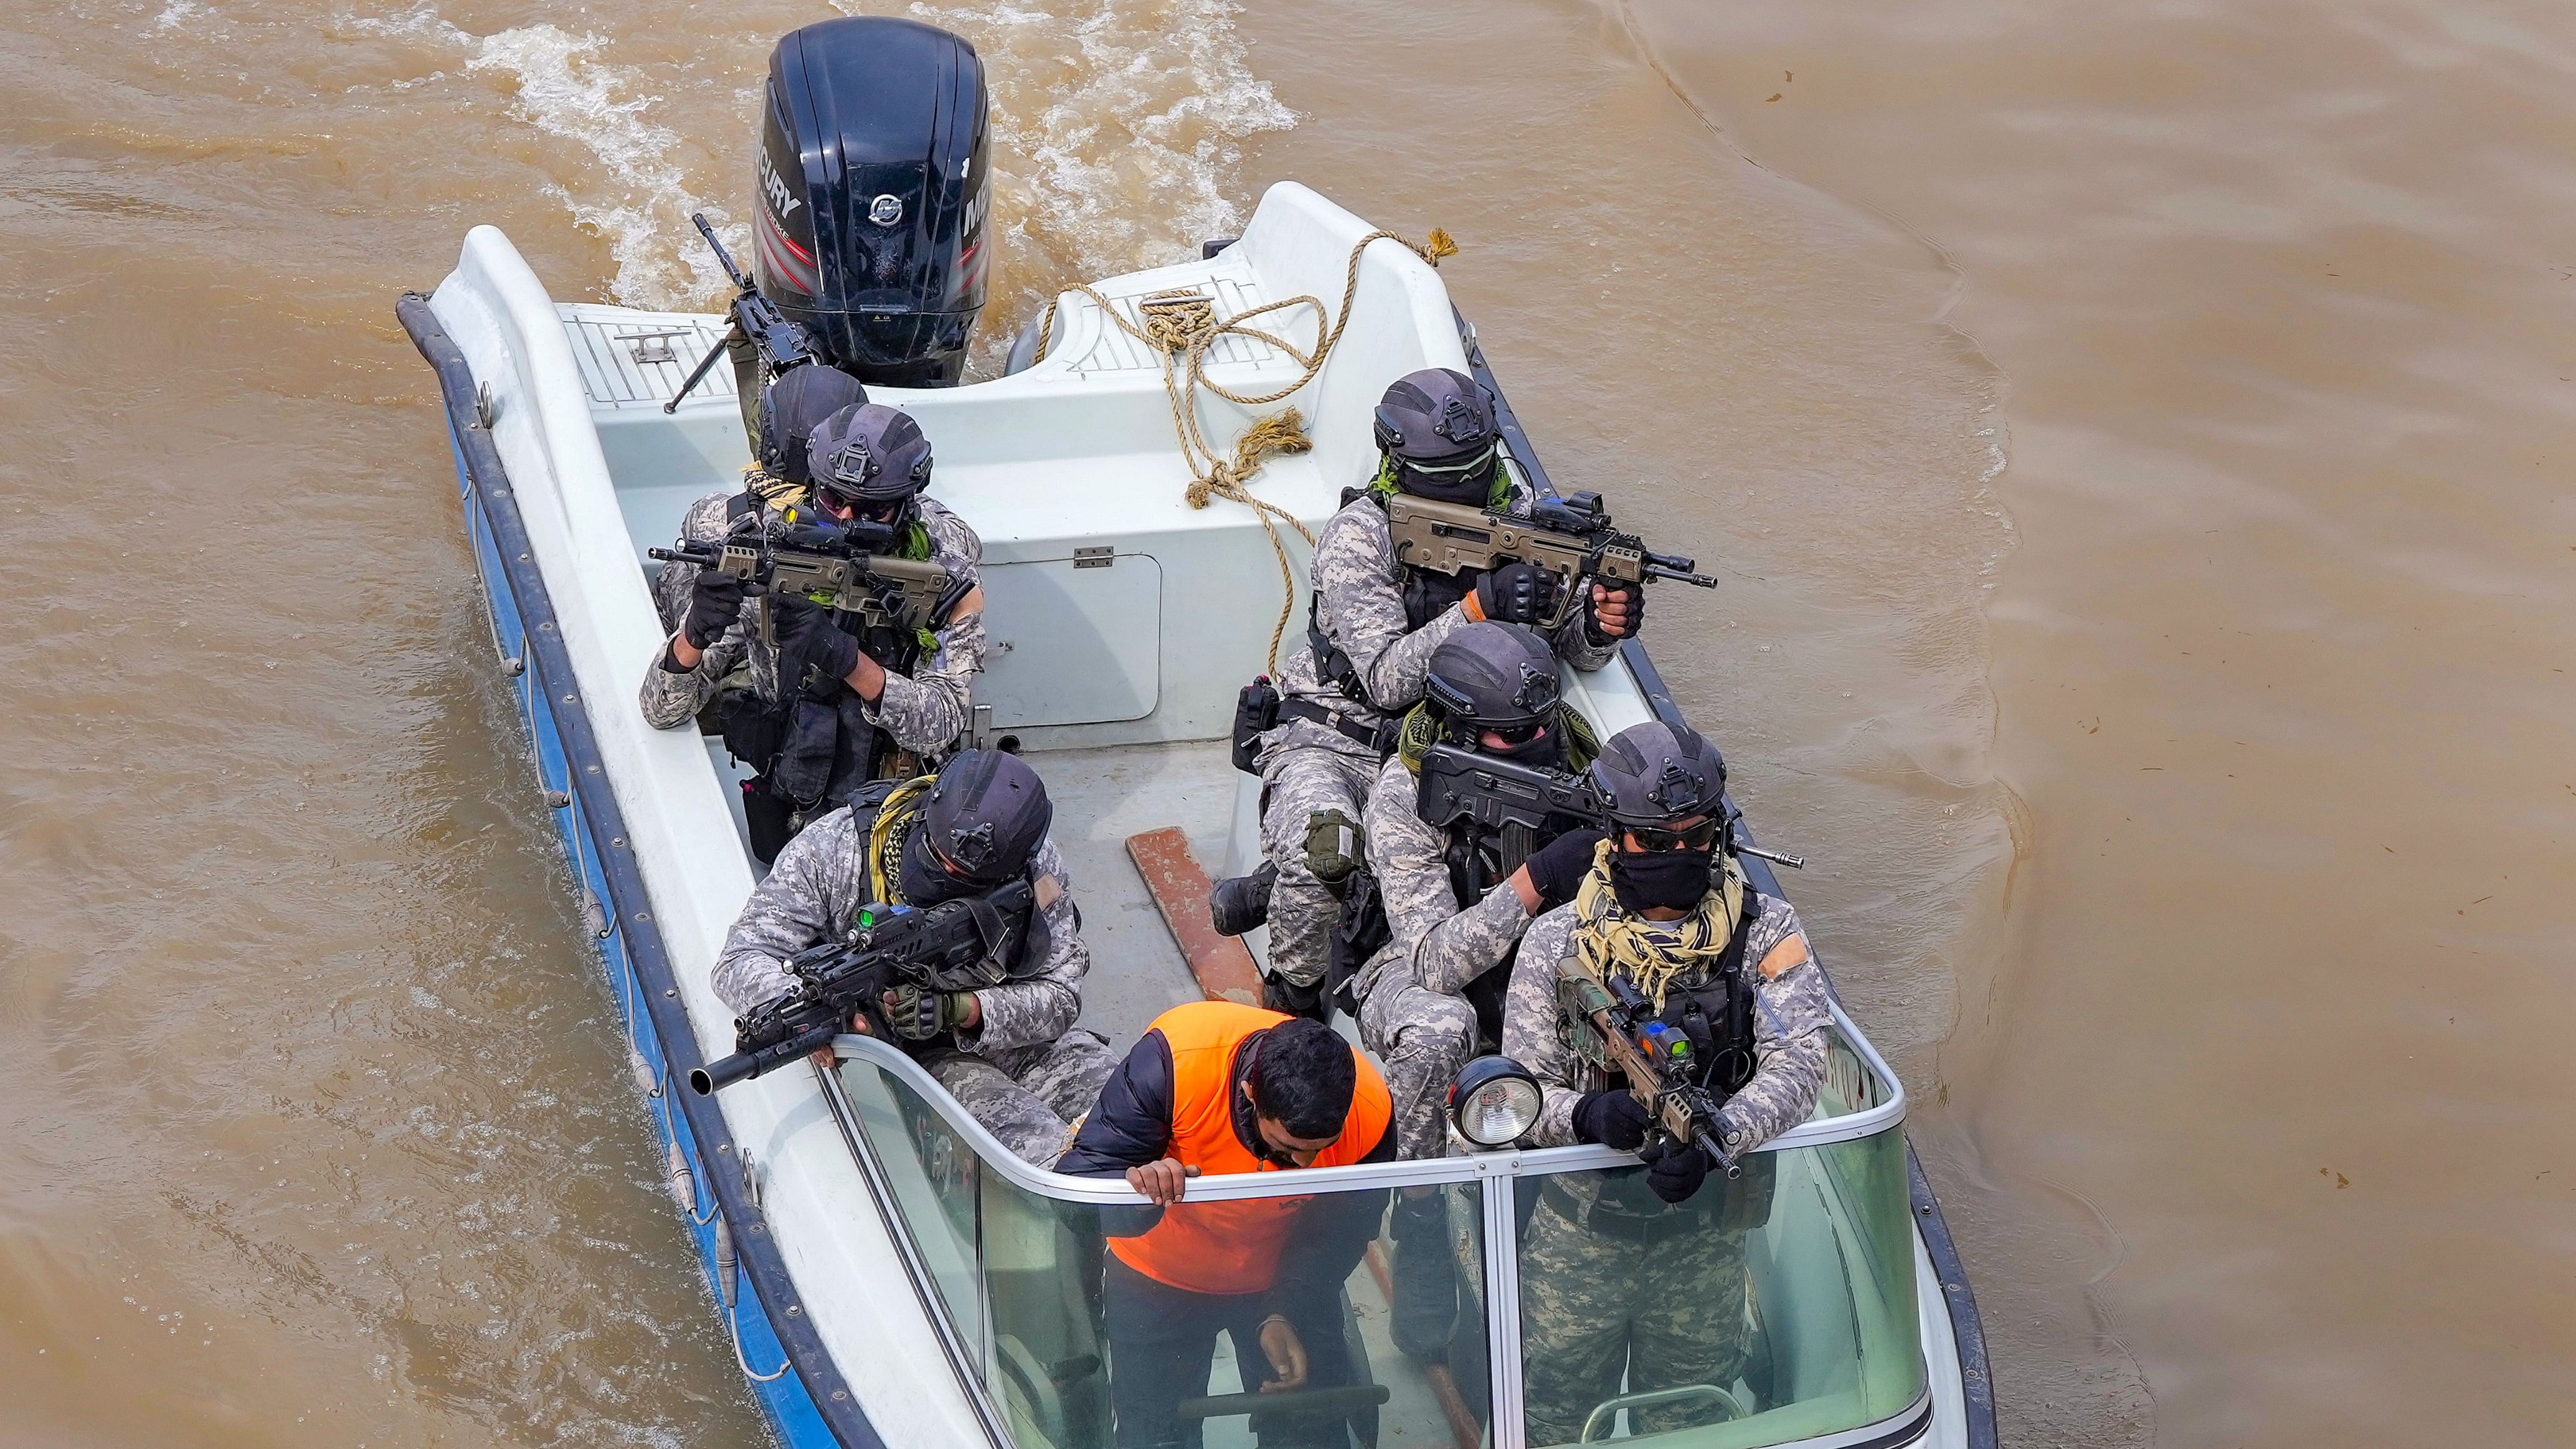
(1008, 1051)
(867, 706)
(1370, 634)
(1638, 1273)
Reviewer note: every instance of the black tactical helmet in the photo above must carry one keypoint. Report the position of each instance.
(1654, 773)
(870, 453)
(791, 407)
(1438, 427)
(1498, 677)
(987, 814)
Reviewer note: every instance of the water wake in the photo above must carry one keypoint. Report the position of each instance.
(639, 199)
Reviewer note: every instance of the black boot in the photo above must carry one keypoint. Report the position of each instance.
(1239, 903)
(1426, 1283)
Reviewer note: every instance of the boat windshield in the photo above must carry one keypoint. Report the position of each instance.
(1515, 1298)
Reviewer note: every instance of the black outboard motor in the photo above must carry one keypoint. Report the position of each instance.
(875, 190)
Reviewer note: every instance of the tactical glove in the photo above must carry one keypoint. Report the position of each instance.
(715, 601)
(1636, 601)
(1515, 593)
(1615, 1119)
(1675, 1170)
(918, 1014)
(1559, 866)
(806, 631)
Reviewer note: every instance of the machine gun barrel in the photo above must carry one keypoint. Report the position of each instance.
(782, 343)
(724, 258)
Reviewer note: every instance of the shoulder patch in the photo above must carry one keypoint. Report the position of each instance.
(1049, 891)
(1789, 954)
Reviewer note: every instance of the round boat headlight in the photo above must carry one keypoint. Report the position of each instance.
(1494, 1102)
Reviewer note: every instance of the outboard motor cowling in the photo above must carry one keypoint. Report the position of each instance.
(875, 190)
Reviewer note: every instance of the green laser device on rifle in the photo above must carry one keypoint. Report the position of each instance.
(1570, 537)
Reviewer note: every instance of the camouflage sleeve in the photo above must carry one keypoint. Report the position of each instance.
(671, 698)
(1574, 643)
(1045, 1006)
(1363, 608)
(805, 897)
(926, 710)
(1791, 1018)
(1404, 854)
(1530, 1036)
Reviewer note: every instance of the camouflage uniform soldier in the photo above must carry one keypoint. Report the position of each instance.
(1665, 905)
(870, 705)
(1369, 638)
(1007, 1049)
(1456, 897)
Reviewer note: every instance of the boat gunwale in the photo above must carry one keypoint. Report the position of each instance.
(548, 659)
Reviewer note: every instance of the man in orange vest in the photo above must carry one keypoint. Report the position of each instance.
(1215, 1088)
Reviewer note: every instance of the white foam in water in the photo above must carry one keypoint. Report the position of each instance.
(635, 196)
(1127, 119)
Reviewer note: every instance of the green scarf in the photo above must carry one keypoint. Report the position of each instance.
(1421, 730)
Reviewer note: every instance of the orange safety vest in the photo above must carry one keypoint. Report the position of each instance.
(1232, 1247)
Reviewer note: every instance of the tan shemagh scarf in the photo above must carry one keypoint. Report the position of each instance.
(1652, 954)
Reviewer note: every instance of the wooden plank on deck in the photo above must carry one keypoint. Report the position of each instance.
(1179, 886)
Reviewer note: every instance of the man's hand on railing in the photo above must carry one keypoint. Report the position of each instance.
(1161, 1181)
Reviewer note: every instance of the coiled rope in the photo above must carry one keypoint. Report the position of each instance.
(1181, 326)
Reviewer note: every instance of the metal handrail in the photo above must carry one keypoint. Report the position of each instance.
(1508, 1163)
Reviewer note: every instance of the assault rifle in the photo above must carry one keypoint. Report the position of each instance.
(1570, 537)
(1655, 1058)
(849, 566)
(841, 979)
(782, 343)
(1513, 801)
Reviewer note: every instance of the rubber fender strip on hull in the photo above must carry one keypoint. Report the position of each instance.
(1977, 1381)
(1978, 1387)
(818, 1379)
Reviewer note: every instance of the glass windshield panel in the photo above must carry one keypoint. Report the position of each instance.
(1775, 1307)
(1096, 1327)
(1851, 1085)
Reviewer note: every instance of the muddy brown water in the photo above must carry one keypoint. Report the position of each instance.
(2135, 439)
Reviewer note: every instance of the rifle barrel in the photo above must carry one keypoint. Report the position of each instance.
(1725, 1161)
(1776, 857)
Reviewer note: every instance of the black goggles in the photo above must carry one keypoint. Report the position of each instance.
(1657, 839)
(879, 510)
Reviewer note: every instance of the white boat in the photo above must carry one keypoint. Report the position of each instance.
(891, 1275)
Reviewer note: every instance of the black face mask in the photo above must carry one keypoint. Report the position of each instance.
(1471, 486)
(1544, 749)
(923, 880)
(1672, 880)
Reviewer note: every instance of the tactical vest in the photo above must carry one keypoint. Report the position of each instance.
(1477, 862)
(1716, 1015)
(805, 720)
(883, 813)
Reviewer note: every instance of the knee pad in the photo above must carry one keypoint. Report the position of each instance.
(1335, 844)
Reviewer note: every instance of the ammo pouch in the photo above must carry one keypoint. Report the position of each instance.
(751, 727)
(802, 769)
(1256, 713)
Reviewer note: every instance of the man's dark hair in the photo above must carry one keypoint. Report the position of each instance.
(1302, 1078)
